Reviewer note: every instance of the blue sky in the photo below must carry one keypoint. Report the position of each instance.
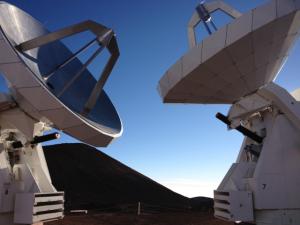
(181, 146)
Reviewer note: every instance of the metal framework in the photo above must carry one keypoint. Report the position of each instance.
(105, 37)
(203, 12)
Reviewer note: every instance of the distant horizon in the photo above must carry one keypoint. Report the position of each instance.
(181, 146)
(177, 186)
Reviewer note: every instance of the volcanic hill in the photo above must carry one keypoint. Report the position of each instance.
(93, 180)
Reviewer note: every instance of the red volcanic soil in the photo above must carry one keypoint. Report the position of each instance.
(187, 218)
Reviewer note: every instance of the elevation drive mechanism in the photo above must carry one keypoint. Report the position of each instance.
(49, 87)
(237, 65)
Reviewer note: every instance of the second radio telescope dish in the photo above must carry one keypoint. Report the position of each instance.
(51, 84)
(235, 60)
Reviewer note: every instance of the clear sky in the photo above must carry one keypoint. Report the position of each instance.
(181, 146)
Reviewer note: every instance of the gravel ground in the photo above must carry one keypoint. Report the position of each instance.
(144, 219)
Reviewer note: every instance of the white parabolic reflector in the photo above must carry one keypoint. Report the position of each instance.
(52, 101)
(237, 59)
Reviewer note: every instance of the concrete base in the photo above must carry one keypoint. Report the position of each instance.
(278, 217)
(7, 219)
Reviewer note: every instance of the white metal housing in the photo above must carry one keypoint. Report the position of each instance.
(237, 65)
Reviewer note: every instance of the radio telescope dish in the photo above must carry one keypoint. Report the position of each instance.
(235, 60)
(49, 87)
(51, 84)
(237, 65)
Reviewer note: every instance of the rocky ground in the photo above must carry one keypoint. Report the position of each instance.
(182, 218)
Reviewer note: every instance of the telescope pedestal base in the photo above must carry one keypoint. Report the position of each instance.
(27, 195)
(278, 217)
(7, 219)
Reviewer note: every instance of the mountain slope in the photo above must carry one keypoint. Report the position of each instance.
(92, 179)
